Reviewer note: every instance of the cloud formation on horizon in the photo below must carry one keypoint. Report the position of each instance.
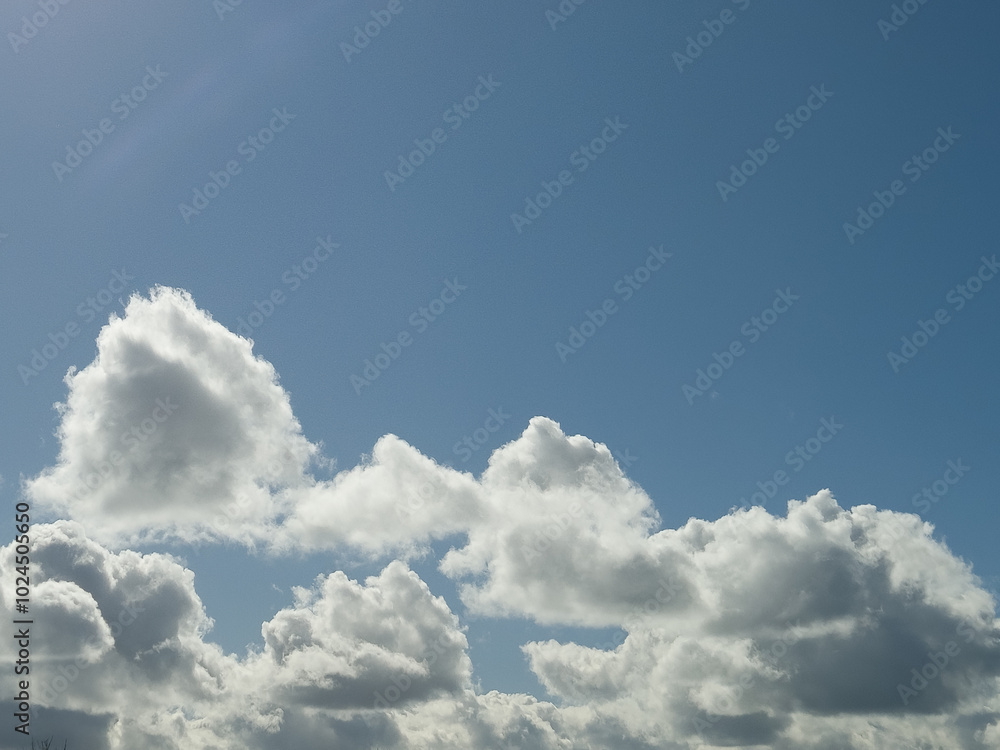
(813, 630)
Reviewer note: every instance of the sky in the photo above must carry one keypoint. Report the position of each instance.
(411, 375)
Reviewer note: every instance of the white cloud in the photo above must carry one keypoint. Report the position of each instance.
(397, 501)
(386, 659)
(802, 631)
(175, 430)
(388, 643)
(114, 634)
(816, 619)
(565, 536)
(386, 662)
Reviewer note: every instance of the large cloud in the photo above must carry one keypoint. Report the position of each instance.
(117, 637)
(385, 663)
(826, 618)
(175, 430)
(348, 665)
(825, 628)
(565, 535)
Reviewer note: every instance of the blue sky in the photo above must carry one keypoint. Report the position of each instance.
(833, 106)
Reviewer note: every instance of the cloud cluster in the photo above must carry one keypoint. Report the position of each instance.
(123, 633)
(125, 646)
(824, 628)
(825, 618)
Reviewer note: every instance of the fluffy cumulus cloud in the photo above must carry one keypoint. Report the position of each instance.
(825, 623)
(126, 662)
(123, 635)
(344, 645)
(397, 501)
(826, 627)
(175, 430)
